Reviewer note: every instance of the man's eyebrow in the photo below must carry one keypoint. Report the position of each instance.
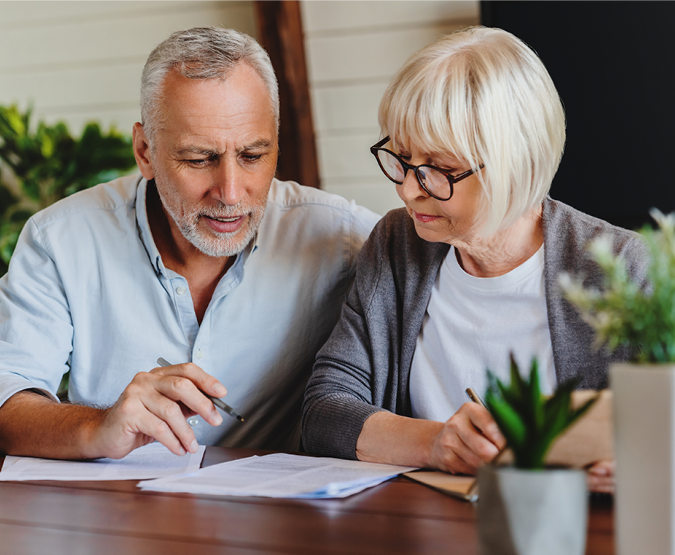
(261, 143)
(196, 150)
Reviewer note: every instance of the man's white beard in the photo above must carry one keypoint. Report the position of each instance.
(211, 242)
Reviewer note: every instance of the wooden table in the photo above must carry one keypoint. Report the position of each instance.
(398, 517)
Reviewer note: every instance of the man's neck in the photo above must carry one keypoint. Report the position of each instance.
(201, 271)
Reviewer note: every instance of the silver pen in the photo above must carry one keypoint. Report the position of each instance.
(220, 404)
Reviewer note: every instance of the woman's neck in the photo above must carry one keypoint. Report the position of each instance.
(502, 252)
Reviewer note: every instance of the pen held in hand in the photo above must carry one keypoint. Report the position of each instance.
(217, 402)
(474, 397)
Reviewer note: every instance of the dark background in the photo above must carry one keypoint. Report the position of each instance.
(613, 64)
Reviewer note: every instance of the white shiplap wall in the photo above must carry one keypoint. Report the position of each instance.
(78, 61)
(353, 50)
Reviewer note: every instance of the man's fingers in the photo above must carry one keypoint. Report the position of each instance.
(201, 379)
(166, 419)
(184, 390)
(150, 425)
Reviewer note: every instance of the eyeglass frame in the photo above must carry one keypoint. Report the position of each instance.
(452, 179)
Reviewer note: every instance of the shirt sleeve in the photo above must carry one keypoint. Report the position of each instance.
(36, 332)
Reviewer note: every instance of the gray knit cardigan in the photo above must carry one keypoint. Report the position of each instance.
(365, 365)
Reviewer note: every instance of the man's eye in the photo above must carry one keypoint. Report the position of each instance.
(251, 157)
(198, 161)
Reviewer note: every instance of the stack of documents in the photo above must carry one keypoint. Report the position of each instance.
(150, 461)
(280, 475)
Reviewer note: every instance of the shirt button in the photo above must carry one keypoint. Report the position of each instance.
(193, 421)
(199, 355)
(181, 290)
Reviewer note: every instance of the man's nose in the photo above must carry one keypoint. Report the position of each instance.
(228, 185)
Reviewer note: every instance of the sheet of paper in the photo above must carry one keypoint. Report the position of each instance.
(280, 475)
(151, 461)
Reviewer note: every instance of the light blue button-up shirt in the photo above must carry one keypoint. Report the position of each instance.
(87, 291)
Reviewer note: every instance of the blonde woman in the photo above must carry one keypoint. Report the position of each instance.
(473, 132)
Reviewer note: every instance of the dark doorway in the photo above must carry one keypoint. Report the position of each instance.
(613, 64)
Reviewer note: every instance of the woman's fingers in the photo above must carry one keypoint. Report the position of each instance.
(468, 440)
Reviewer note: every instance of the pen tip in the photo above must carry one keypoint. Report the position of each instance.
(240, 418)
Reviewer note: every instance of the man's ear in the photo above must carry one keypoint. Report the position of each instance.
(142, 152)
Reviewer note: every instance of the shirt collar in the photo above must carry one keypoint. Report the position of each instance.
(144, 227)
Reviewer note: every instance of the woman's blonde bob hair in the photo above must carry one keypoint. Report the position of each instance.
(485, 97)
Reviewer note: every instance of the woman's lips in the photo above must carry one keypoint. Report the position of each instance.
(225, 225)
(426, 218)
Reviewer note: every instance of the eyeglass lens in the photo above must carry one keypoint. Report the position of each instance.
(434, 181)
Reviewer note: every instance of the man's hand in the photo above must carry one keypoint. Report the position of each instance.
(469, 439)
(600, 477)
(155, 405)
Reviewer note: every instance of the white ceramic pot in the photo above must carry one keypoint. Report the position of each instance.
(644, 438)
(532, 512)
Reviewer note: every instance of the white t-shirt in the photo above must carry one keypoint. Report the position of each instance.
(472, 324)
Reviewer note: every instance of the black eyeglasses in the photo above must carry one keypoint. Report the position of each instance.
(437, 182)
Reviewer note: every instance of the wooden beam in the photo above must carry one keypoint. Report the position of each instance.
(280, 33)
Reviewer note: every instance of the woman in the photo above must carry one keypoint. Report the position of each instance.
(466, 273)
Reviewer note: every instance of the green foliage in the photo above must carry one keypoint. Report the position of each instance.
(529, 421)
(623, 313)
(48, 164)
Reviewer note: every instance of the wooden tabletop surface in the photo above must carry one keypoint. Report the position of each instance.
(397, 517)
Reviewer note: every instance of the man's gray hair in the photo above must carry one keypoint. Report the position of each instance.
(201, 53)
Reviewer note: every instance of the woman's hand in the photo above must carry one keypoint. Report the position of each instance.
(600, 477)
(469, 439)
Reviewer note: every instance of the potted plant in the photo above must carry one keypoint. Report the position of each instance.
(622, 314)
(527, 508)
(45, 163)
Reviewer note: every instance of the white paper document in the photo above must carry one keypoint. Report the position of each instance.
(280, 475)
(150, 461)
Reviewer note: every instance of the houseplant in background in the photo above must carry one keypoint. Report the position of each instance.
(528, 509)
(46, 163)
(623, 313)
(42, 164)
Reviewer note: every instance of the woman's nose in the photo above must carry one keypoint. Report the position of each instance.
(410, 188)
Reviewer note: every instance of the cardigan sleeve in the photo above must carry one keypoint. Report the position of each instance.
(339, 396)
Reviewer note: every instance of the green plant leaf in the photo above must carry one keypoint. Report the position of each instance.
(530, 422)
(49, 164)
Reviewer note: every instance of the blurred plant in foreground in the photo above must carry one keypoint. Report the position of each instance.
(623, 313)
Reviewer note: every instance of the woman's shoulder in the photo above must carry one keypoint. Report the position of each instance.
(568, 232)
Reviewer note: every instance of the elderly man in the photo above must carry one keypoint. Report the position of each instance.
(207, 261)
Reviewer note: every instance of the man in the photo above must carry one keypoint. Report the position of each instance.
(179, 264)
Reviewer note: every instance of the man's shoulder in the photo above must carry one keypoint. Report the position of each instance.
(311, 213)
(105, 197)
(287, 195)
